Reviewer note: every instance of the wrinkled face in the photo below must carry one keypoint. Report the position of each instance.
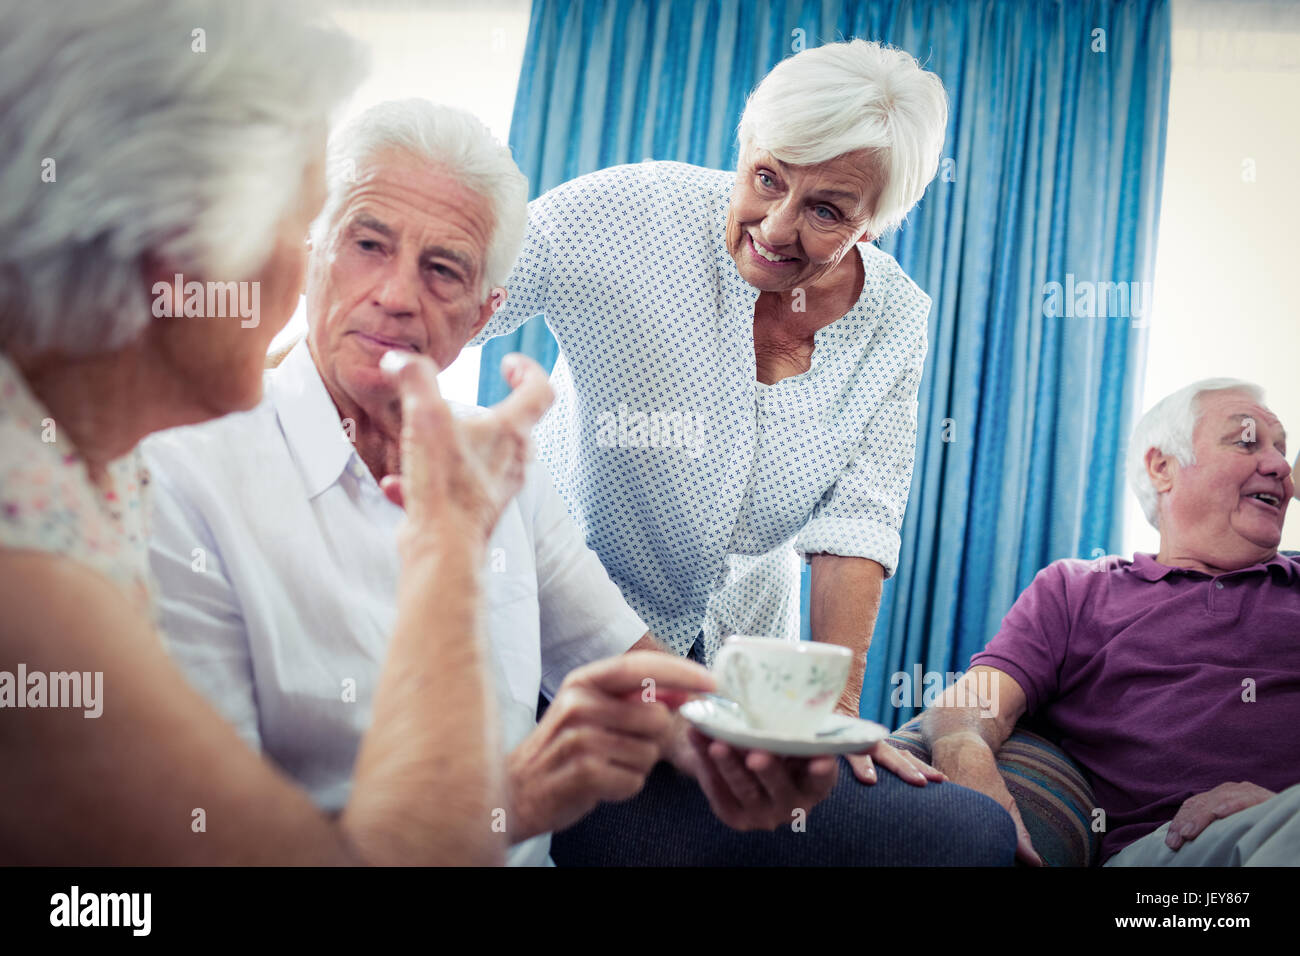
(790, 226)
(1228, 508)
(402, 268)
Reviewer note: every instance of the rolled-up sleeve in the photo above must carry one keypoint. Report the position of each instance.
(861, 515)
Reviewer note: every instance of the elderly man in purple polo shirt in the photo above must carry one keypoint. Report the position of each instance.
(1173, 679)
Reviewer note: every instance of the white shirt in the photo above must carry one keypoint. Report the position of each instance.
(699, 525)
(275, 554)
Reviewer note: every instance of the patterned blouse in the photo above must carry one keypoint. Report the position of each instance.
(696, 484)
(48, 502)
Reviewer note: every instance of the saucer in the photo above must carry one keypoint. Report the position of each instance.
(723, 720)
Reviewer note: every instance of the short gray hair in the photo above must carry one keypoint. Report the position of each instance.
(842, 97)
(168, 144)
(443, 136)
(1169, 427)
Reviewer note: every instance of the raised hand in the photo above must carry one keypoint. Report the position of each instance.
(462, 473)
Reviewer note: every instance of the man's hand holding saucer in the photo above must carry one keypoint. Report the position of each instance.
(780, 695)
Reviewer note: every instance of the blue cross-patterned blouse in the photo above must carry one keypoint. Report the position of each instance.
(696, 484)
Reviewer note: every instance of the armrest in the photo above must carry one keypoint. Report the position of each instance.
(1055, 800)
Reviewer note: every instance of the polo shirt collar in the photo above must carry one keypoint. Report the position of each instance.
(1148, 568)
(309, 420)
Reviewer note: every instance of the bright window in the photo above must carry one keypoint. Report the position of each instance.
(1227, 252)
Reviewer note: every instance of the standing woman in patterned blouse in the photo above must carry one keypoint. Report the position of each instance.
(150, 143)
(738, 370)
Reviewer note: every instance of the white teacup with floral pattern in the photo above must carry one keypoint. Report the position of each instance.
(782, 686)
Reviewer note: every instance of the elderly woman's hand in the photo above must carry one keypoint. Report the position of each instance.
(458, 476)
(899, 762)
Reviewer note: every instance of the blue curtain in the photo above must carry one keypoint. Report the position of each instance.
(1049, 191)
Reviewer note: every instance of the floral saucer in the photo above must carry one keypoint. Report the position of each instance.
(723, 720)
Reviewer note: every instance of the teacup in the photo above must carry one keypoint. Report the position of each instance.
(782, 686)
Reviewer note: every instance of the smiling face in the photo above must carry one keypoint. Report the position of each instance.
(1227, 510)
(402, 268)
(790, 226)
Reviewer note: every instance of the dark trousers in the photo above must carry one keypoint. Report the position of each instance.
(890, 823)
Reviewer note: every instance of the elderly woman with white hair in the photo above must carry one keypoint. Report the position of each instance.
(738, 371)
(163, 164)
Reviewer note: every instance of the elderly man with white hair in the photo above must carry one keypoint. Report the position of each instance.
(1173, 679)
(275, 532)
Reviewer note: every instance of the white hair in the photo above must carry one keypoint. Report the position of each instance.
(170, 131)
(843, 97)
(1169, 428)
(446, 137)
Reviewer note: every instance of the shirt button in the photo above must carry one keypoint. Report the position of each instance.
(1219, 585)
(358, 468)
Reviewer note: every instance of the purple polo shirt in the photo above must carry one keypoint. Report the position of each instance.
(1147, 671)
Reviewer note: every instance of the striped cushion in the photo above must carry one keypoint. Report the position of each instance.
(1054, 799)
